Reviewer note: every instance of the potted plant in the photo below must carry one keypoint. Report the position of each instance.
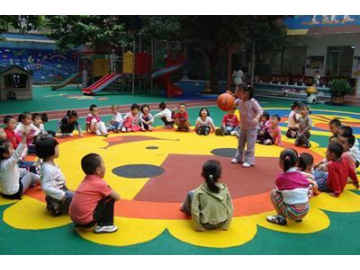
(338, 89)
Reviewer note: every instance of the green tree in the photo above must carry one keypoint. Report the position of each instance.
(212, 35)
(22, 23)
(160, 27)
(93, 31)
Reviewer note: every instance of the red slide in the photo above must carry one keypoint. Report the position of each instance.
(162, 76)
(101, 83)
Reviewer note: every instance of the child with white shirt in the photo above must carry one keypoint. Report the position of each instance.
(116, 121)
(14, 181)
(53, 183)
(348, 131)
(204, 123)
(293, 121)
(165, 115)
(26, 126)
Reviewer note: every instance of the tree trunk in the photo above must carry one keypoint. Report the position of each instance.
(213, 60)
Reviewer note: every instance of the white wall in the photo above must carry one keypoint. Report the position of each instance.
(317, 45)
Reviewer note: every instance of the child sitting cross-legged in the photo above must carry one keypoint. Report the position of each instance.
(53, 183)
(181, 118)
(93, 202)
(116, 121)
(230, 124)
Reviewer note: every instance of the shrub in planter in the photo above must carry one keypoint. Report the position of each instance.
(338, 89)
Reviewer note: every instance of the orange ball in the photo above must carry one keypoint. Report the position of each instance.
(226, 102)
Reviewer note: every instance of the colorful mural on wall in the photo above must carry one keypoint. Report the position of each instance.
(323, 24)
(48, 66)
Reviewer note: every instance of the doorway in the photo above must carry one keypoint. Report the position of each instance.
(339, 61)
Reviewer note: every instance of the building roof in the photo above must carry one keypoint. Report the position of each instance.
(15, 68)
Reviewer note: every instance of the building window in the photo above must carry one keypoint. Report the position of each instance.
(339, 61)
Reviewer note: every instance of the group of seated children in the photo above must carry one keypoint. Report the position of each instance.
(269, 131)
(138, 119)
(300, 181)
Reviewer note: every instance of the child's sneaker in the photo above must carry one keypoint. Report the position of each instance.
(233, 133)
(246, 165)
(98, 132)
(278, 219)
(267, 142)
(105, 229)
(123, 129)
(235, 161)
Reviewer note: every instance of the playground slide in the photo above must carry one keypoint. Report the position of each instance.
(101, 83)
(162, 77)
(72, 78)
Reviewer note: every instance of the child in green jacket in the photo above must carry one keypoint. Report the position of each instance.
(210, 204)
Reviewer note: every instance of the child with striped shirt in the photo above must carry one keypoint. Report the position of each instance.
(250, 113)
(290, 196)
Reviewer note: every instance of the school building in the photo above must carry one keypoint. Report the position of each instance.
(324, 43)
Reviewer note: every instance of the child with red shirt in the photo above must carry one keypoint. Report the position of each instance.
(93, 201)
(230, 123)
(338, 172)
(181, 118)
(10, 125)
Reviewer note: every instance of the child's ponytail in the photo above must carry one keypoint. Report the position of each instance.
(71, 113)
(289, 157)
(212, 172)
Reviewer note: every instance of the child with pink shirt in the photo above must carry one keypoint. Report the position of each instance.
(250, 113)
(94, 123)
(273, 132)
(131, 120)
(290, 196)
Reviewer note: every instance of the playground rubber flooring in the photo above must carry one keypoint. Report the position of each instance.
(153, 171)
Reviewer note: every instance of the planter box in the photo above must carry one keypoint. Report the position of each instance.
(337, 100)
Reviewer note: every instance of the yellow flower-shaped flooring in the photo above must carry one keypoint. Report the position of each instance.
(143, 215)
